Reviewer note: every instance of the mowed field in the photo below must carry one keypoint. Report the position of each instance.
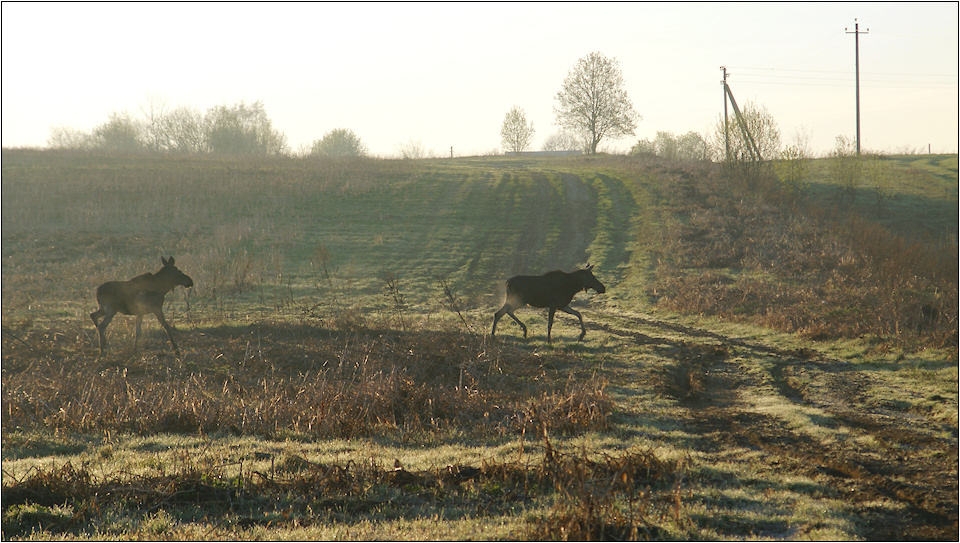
(763, 365)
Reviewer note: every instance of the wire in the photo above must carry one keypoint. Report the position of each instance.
(874, 85)
(838, 72)
(824, 78)
(850, 79)
(828, 42)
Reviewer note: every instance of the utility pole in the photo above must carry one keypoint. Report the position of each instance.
(741, 121)
(726, 136)
(856, 40)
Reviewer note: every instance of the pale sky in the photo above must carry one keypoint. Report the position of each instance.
(446, 74)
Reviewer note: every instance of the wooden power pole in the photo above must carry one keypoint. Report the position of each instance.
(741, 121)
(726, 134)
(856, 41)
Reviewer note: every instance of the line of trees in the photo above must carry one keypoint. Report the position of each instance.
(241, 129)
(592, 105)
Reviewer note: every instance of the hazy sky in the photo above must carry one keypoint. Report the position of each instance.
(446, 74)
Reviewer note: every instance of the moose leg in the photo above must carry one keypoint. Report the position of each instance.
(496, 318)
(163, 322)
(506, 310)
(550, 323)
(575, 313)
(97, 315)
(514, 317)
(102, 328)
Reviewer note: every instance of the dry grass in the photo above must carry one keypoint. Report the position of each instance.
(778, 260)
(610, 499)
(317, 316)
(294, 492)
(281, 379)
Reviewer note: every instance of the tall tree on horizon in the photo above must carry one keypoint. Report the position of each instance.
(516, 134)
(594, 103)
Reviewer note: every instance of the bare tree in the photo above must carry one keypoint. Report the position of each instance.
(594, 103)
(562, 141)
(764, 133)
(182, 131)
(153, 113)
(516, 134)
(64, 137)
(413, 150)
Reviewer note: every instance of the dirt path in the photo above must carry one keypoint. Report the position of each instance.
(580, 217)
(896, 468)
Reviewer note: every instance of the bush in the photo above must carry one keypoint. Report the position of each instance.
(339, 143)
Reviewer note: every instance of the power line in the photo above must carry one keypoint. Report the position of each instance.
(873, 85)
(871, 82)
(884, 77)
(845, 72)
(829, 78)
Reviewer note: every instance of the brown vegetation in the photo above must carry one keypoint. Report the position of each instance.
(777, 259)
(277, 380)
(309, 323)
(316, 493)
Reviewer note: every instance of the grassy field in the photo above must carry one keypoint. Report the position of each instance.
(763, 365)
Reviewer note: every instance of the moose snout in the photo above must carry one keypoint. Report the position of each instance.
(188, 283)
(600, 289)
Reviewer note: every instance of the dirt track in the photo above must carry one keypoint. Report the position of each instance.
(904, 460)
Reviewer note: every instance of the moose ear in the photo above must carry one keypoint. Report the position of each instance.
(169, 261)
(164, 260)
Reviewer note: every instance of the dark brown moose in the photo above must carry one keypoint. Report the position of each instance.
(553, 290)
(141, 295)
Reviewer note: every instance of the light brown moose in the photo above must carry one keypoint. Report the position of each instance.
(141, 295)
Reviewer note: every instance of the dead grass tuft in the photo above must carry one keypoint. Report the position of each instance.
(609, 499)
(280, 380)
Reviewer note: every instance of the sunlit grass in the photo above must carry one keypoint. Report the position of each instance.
(303, 265)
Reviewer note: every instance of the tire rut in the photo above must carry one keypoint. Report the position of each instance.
(911, 462)
(579, 210)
